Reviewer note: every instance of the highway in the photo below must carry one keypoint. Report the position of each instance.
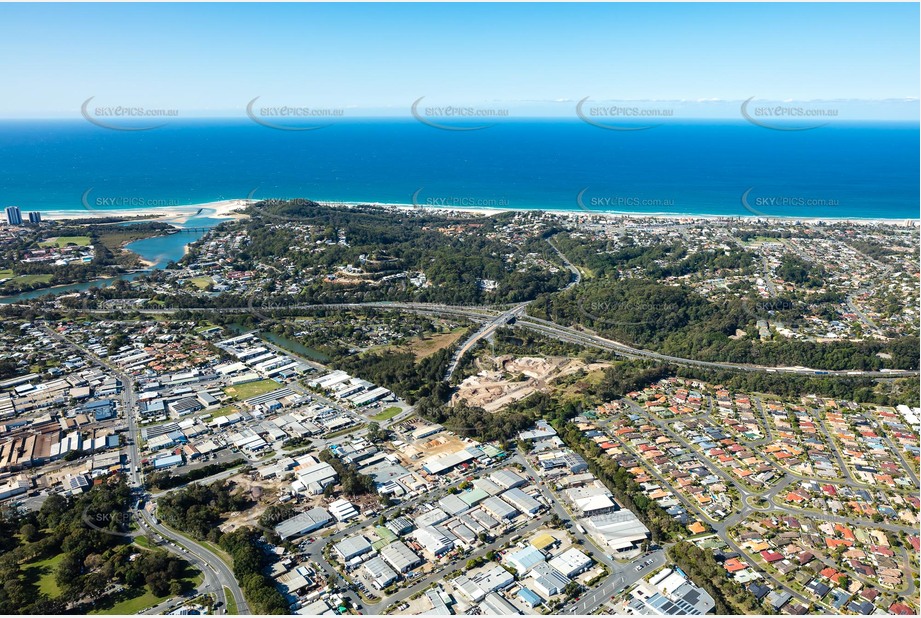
(485, 331)
(493, 317)
(578, 335)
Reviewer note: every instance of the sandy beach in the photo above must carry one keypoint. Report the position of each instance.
(230, 209)
(664, 216)
(178, 215)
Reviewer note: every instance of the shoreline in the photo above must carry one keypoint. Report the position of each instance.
(228, 209)
(176, 215)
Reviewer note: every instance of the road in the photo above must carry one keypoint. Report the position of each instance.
(576, 273)
(485, 331)
(564, 333)
(203, 558)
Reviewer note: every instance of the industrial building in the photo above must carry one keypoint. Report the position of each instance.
(380, 572)
(400, 557)
(352, 547)
(521, 501)
(499, 508)
(571, 562)
(303, 523)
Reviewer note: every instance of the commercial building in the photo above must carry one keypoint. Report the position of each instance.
(673, 596)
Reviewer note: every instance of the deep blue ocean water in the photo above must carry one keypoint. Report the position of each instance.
(844, 170)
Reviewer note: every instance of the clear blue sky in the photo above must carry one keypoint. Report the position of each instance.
(213, 58)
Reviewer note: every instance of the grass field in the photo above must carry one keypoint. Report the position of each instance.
(251, 389)
(224, 411)
(201, 282)
(143, 541)
(115, 237)
(63, 241)
(25, 279)
(6, 273)
(231, 602)
(42, 573)
(426, 347)
(134, 600)
(387, 414)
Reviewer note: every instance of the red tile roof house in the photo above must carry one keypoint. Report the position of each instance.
(900, 609)
(828, 572)
(771, 556)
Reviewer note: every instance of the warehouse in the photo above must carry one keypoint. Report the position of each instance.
(380, 572)
(439, 464)
(507, 479)
(426, 431)
(525, 559)
(371, 396)
(434, 540)
(303, 523)
(430, 518)
(547, 580)
(343, 510)
(571, 562)
(322, 474)
(623, 532)
(400, 525)
(484, 519)
(522, 501)
(530, 597)
(185, 406)
(400, 557)
(499, 508)
(167, 462)
(352, 547)
(494, 605)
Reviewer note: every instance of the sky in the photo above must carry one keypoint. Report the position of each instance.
(212, 59)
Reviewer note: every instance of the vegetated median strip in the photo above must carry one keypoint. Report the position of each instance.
(220, 553)
(231, 601)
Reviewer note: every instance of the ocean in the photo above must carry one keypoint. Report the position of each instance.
(720, 168)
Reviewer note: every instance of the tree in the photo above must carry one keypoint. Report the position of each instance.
(29, 532)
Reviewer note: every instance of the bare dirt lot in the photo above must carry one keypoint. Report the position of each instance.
(511, 379)
(439, 444)
(263, 492)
